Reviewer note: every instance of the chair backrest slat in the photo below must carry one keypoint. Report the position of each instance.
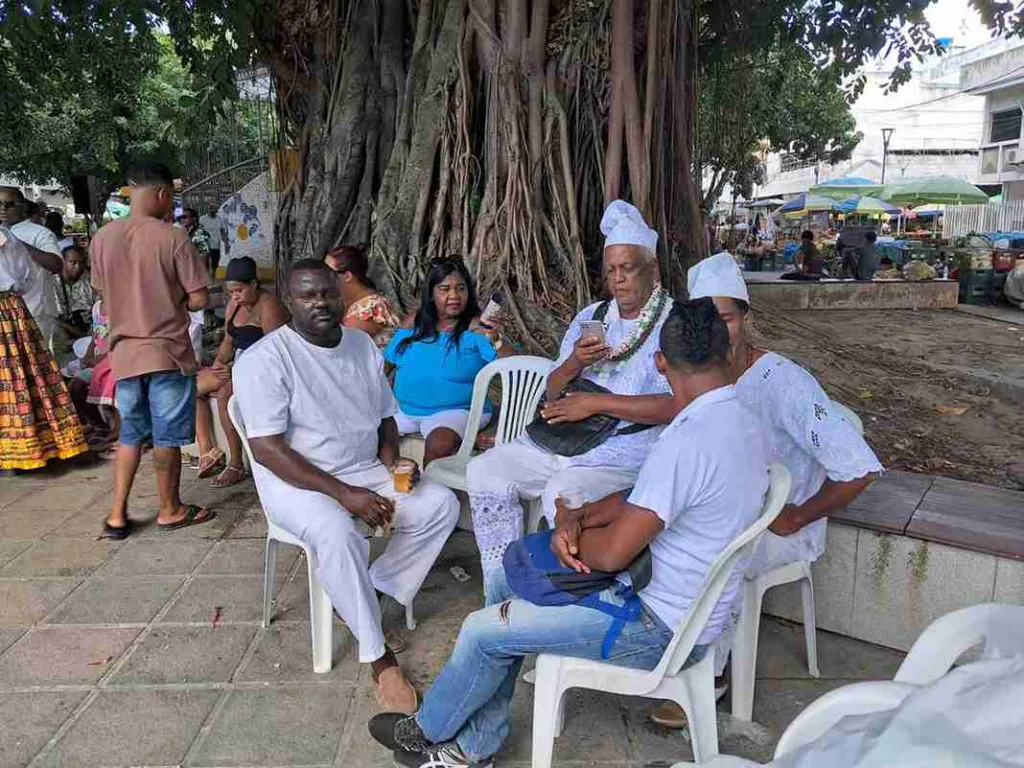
(523, 379)
(718, 574)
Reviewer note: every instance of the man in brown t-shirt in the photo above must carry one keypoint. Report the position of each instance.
(150, 277)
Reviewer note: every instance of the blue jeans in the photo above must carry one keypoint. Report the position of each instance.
(469, 701)
(157, 406)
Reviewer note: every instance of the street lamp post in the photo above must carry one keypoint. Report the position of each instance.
(886, 135)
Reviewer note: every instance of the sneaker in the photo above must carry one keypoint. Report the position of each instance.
(399, 733)
(441, 756)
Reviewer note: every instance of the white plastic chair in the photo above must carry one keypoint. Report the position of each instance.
(523, 380)
(321, 610)
(744, 650)
(692, 688)
(824, 713)
(999, 628)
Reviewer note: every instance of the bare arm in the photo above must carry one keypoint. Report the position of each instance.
(291, 467)
(638, 409)
(586, 352)
(387, 441)
(612, 547)
(831, 497)
(198, 299)
(48, 261)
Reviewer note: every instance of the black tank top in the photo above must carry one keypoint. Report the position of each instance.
(243, 336)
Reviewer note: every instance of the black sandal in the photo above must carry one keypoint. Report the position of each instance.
(192, 511)
(117, 533)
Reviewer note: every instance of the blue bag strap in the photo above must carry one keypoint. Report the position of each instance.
(630, 610)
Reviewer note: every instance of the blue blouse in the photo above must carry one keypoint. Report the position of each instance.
(434, 376)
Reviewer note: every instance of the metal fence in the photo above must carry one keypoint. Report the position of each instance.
(960, 220)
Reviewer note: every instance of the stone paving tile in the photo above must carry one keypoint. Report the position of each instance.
(87, 523)
(276, 726)
(284, 654)
(130, 728)
(778, 702)
(117, 600)
(781, 654)
(63, 655)
(186, 655)
(29, 720)
(20, 522)
(62, 557)
(23, 603)
(240, 556)
(11, 548)
(356, 747)
(9, 636)
(239, 598)
(156, 557)
(67, 496)
(251, 523)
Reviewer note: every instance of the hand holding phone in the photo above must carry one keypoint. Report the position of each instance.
(591, 330)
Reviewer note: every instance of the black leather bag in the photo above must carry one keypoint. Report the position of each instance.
(574, 438)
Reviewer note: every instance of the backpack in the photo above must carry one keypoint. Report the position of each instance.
(535, 575)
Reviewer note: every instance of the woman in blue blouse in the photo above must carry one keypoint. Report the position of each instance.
(436, 361)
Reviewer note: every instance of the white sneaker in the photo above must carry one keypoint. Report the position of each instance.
(440, 756)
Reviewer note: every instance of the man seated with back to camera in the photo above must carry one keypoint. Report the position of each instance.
(702, 484)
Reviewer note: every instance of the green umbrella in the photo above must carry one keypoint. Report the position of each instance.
(846, 187)
(869, 206)
(934, 189)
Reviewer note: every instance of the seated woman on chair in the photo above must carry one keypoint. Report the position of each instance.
(436, 361)
(365, 308)
(251, 314)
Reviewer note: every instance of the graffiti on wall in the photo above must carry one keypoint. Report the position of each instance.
(248, 216)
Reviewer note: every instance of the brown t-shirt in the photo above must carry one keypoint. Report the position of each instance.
(145, 269)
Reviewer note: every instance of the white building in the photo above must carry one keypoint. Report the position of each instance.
(936, 128)
(999, 79)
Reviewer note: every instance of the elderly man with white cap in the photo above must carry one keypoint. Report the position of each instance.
(828, 459)
(611, 344)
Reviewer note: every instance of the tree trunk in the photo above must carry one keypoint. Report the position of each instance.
(490, 129)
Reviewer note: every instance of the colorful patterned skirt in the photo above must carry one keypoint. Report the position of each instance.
(37, 418)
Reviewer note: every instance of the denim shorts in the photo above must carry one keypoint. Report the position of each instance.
(158, 407)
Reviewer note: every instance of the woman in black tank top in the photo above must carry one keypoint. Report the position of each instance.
(252, 313)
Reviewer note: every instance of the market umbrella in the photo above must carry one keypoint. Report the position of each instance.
(868, 206)
(842, 188)
(805, 203)
(930, 210)
(935, 189)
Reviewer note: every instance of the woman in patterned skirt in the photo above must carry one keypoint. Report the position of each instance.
(37, 418)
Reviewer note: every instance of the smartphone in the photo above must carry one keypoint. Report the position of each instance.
(592, 329)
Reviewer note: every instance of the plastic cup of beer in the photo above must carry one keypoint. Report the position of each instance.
(402, 473)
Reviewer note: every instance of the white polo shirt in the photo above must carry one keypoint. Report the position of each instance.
(706, 478)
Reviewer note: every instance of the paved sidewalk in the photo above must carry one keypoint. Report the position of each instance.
(150, 652)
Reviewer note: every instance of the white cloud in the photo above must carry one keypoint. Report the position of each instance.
(958, 20)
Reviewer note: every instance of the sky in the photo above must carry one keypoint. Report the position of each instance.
(958, 20)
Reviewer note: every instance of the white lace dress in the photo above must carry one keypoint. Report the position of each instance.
(810, 438)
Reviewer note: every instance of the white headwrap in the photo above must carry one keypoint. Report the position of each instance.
(623, 224)
(717, 275)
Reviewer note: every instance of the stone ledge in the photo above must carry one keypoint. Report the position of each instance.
(849, 294)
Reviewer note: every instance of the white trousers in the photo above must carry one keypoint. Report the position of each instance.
(502, 478)
(422, 523)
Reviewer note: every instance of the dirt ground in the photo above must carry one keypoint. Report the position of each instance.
(901, 369)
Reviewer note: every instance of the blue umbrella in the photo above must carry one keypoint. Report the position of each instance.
(870, 206)
(807, 203)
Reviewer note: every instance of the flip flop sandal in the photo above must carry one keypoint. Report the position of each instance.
(217, 463)
(192, 511)
(236, 472)
(117, 533)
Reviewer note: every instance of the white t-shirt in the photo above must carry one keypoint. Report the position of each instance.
(212, 225)
(328, 403)
(16, 266)
(41, 297)
(806, 435)
(706, 478)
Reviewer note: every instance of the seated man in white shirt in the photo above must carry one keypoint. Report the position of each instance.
(319, 415)
(828, 459)
(622, 361)
(702, 485)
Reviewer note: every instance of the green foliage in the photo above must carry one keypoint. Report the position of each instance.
(90, 86)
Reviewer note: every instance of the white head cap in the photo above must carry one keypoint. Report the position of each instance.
(717, 275)
(623, 224)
